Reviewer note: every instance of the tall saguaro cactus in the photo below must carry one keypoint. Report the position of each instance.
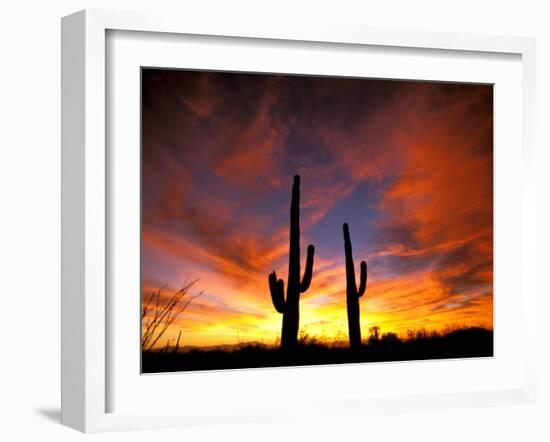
(352, 293)
(289, 307)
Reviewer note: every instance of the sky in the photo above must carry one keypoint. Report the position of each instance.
(407, 164)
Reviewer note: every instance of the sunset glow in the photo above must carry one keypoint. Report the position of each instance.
(409, 165)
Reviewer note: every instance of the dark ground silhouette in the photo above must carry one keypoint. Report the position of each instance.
(463, 343)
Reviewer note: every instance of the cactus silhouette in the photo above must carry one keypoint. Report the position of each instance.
(352, 293)
(289, 307)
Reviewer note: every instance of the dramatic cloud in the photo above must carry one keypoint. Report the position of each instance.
(409, 165)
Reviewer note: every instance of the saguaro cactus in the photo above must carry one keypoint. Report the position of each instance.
(352, 293)
(289, 307)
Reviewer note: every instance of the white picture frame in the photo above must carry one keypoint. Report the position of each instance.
(86, 204)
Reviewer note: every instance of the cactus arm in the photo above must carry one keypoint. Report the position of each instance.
(276, 287)
(308, 272)
(363, 281)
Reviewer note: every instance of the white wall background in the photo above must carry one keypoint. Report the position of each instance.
(30, 216)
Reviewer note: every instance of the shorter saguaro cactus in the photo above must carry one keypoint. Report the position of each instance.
(352, 293)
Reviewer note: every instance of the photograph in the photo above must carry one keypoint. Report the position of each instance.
(299, 220)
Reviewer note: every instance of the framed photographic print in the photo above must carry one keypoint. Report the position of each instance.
(248, 213)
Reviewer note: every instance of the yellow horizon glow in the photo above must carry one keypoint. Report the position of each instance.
(323, 313)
